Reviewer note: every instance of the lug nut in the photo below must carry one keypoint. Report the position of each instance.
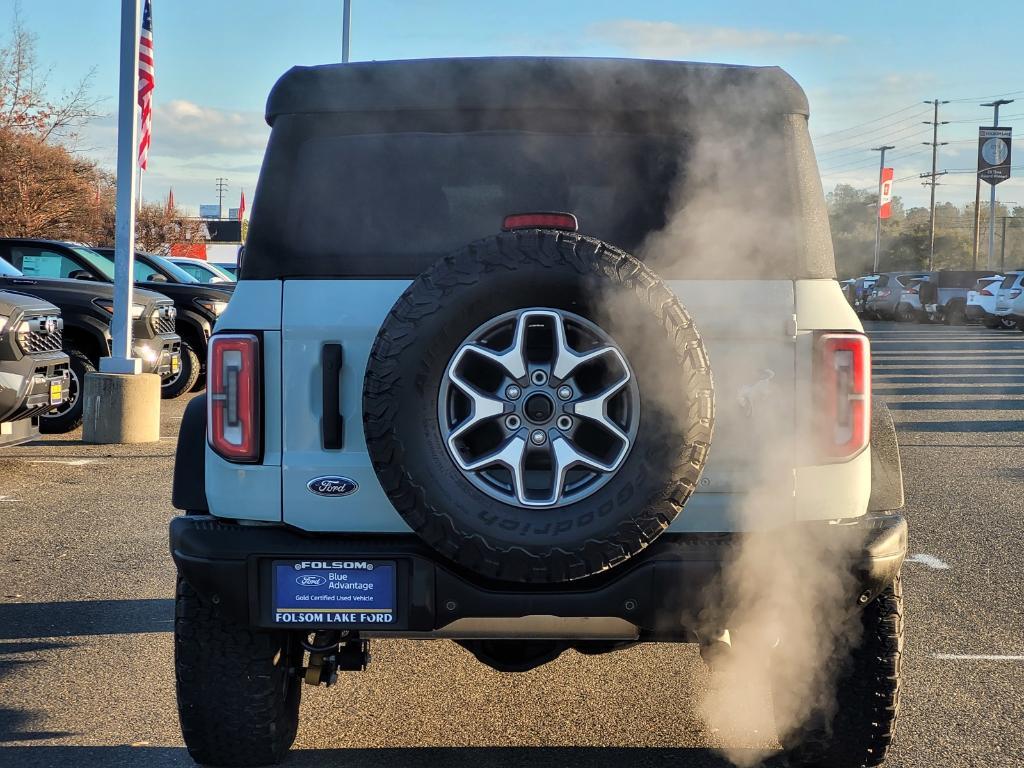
(537, 437)
(564, 422)
(539, 377)
(565, 392)
(512, 422)
(512, 392)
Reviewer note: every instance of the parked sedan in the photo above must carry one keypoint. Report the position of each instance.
(204, 271)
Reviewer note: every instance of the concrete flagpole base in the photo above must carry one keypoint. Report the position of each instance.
(121, 408)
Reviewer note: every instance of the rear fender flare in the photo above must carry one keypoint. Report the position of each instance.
(886, 469)
(189, 486)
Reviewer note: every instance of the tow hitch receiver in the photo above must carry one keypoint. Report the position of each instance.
(330, 652)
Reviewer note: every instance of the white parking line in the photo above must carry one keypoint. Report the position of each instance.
(9, 499)
(975, 657)
(929, 560)
(66, 462)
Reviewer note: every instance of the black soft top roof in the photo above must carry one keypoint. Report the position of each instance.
(525, 83)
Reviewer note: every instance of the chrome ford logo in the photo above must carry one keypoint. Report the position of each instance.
(332, 485)
(310, 580)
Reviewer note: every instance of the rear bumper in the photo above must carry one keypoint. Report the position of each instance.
(660, 594)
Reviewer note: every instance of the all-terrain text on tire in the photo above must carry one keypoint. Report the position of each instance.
(495, 395)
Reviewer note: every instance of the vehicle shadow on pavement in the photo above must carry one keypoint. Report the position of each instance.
(27, 621)
(15, 724)
(410, 757)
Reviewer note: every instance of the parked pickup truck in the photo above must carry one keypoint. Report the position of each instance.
(34, 371)
(198, 306)
(944, 295)
(86, 308)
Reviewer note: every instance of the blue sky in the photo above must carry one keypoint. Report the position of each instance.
(866, 67)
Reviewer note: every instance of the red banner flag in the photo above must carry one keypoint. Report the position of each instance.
(241, 207)
(885, 198)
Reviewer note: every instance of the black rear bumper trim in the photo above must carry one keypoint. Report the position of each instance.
(661, 591)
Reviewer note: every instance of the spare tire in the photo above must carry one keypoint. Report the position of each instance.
(538, 406)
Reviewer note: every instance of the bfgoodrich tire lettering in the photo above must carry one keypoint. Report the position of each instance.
(507, 273)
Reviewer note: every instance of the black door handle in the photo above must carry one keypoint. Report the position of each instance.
(332, 423)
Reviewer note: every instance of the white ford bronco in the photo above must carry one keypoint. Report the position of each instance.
(464, 391)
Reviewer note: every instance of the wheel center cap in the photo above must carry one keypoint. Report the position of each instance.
(538, 408)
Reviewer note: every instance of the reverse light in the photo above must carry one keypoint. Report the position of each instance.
(563, 221)
(233, 400)
(843, 380)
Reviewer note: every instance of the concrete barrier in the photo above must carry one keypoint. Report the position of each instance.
(121, 408)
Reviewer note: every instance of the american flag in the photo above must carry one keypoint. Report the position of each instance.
(146, 83)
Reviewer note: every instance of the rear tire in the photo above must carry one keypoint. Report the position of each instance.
(71, 418)
(868, 692)
(238, 693)
(955, 315)
(187, 374)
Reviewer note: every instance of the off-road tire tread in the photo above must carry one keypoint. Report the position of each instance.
(868, 694)
(232, 702)
(536, 250)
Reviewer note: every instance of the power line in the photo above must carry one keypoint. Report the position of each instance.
(868, 122)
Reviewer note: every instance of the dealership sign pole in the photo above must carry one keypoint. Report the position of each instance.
(994, 144)
(121, 360)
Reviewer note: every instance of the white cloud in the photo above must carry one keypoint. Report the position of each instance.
(667, 39)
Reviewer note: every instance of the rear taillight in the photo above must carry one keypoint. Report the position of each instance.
(233, 398)
(884, 292)
(1015, 293)
(985, 292)
(915, 289)
(843, 378)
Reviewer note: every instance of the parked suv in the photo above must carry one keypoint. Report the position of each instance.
(884, 299)
(86, 308)
(198, 308)
(438, 409)
(34, 373)
(981, 303)
(1008, 292)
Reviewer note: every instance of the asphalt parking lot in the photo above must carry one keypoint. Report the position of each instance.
(86, 584)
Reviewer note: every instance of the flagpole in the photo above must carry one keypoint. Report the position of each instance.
(121, 359)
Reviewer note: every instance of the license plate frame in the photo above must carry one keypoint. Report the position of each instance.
(334, 592)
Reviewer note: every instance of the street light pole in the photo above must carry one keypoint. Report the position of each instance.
(992, 193)
(878, 209)
(346, 27)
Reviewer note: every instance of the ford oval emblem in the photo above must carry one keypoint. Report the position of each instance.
(332, 485)
(310, 580)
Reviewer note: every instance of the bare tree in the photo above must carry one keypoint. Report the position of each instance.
(25, 105)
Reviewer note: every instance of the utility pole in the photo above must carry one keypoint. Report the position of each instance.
(346, 27)
(992, 194)
(935, 156)
(1002, 248)
(878, 209)
(222, 185)
(977, 217)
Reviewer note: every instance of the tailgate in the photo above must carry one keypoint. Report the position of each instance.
(748, 327)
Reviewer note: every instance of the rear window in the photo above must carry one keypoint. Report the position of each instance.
(394, 198)
(1009, 280)
(333, 201)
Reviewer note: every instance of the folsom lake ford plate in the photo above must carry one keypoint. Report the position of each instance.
(333, 591)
